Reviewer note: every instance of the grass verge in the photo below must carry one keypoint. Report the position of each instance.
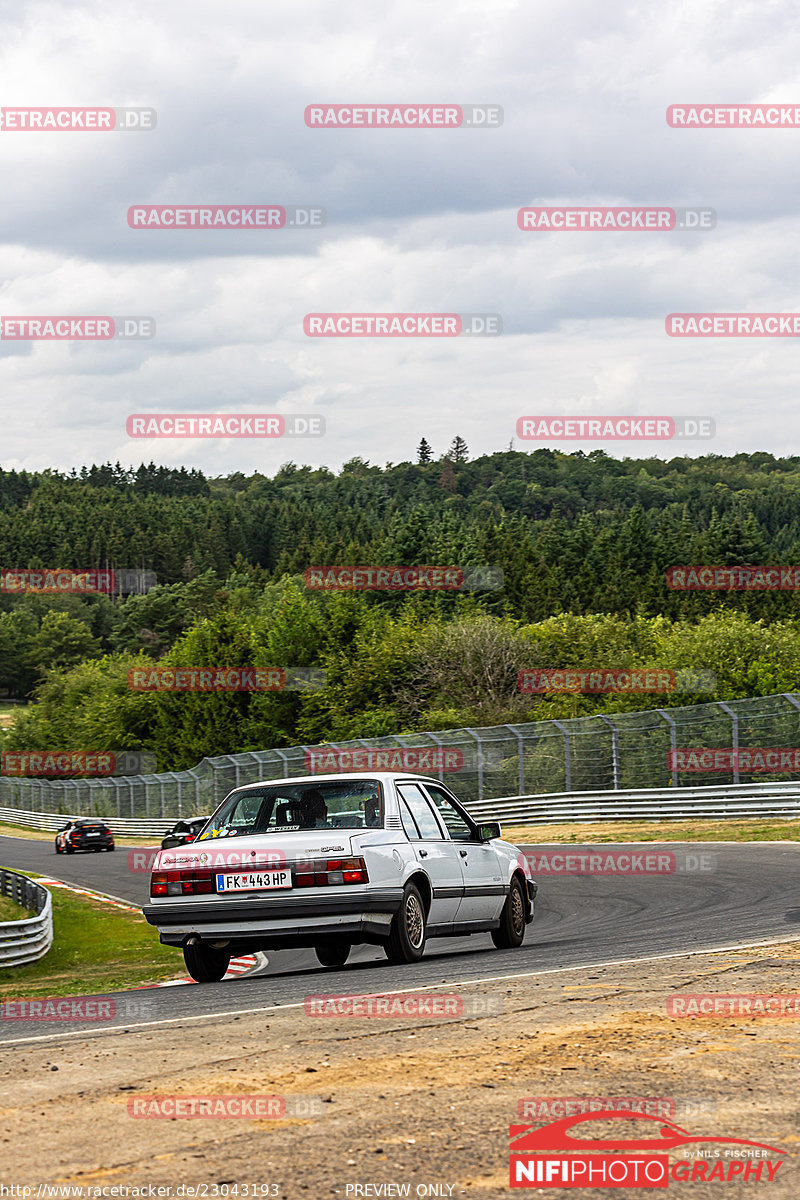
(96, 948)
(732, 830)
(9, 911)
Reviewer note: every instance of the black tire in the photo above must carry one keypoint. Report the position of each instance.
(69, 849)
(332, 952)
(204, 964)
(408, 930)
(58, 849)
(111, 847)
(512, 919)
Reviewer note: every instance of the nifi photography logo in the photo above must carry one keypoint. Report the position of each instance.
(579, 1152)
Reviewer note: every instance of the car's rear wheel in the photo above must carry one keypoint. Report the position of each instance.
(407, 932)
(205, 964)
(512, 919)
(110, 847)
(332, 952)
(69, 849)
(58, 848)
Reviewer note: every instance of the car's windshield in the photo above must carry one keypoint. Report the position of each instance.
(282, 808)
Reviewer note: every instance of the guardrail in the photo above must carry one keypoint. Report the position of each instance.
(122, 826)
(29, 939)
(777, 799)
(744, 800)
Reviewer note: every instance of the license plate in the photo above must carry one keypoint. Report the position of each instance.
(254, 881)
(94, 835)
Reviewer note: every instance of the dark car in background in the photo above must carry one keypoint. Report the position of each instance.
(183, 832)
(84, 833)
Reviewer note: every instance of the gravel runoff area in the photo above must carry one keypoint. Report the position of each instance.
(409, 1100)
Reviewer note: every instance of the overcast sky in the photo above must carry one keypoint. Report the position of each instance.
(417, 221)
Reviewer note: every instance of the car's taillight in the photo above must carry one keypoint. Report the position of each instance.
(331, 872)
(181, 883)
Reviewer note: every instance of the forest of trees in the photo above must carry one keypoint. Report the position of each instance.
(583, 543)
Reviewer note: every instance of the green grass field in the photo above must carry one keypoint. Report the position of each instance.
(96, 948)
(656, 831)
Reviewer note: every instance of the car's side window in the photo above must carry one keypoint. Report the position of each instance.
(459, 829)
(421, 811)
(409, 824)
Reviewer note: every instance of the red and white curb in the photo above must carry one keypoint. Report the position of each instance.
(239, 966)
(244, 965)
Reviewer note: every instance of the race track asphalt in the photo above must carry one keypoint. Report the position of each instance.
(720, 895)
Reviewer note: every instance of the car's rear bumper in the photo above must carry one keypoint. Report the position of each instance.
(277, 923)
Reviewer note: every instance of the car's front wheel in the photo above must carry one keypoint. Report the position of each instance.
(512, 919)
(205, 964)
(407, 932)
(333, 952)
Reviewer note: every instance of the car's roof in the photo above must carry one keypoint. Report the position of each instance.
(342, 777)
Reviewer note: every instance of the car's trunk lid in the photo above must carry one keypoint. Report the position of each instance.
(260, 850)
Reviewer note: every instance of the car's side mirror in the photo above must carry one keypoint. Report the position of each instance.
(488, 831)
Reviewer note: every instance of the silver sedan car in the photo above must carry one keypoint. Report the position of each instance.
(331, 861)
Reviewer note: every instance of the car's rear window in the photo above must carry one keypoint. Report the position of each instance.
(283, 808)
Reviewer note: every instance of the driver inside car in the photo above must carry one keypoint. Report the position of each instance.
(315, 811)
(372, 814)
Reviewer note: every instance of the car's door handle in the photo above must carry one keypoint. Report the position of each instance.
(423, 853)
(463, 853)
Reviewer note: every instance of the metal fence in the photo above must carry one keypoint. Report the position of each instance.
(612, 752)
(26, 940)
